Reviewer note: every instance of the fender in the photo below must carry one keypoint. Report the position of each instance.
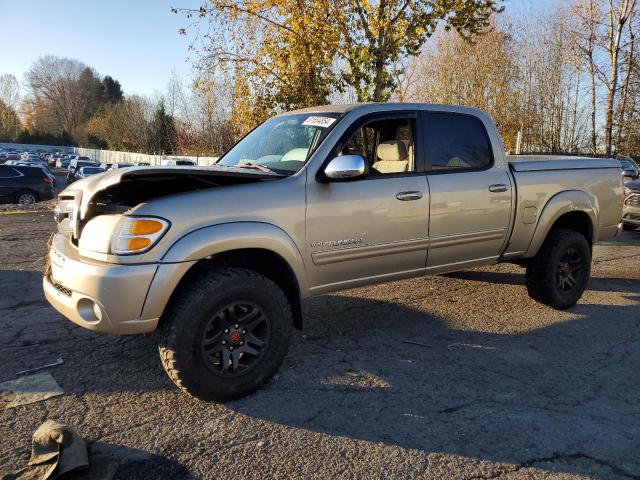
(207, 241)
(564, 202)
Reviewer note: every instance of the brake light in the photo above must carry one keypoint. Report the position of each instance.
(47, 180)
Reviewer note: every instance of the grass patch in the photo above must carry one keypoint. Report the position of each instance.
(14, 212)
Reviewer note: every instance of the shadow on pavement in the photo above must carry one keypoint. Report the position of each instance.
(562, 397)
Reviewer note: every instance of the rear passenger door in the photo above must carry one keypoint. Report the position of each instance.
(470, 208)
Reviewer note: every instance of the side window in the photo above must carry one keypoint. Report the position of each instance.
(7, 172)
(388, 145)
(456, 142)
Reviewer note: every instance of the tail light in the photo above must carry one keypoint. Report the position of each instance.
(48, 180)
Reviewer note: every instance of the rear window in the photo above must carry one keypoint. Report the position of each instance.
(31, 171)
(456, 141)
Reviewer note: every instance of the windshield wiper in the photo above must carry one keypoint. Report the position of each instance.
(258, 166)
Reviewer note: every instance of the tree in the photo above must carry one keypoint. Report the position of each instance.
(9, 123)
(619, 13)
(10, 91)
(377, 34)
(164, 135)
(112, 91)
(285, 51)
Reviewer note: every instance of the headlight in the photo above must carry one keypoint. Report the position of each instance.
(137, 234)
(121, 234)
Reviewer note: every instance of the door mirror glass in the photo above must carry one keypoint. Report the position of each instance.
(346, 167)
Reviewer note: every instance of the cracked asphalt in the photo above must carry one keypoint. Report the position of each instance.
(457, 376)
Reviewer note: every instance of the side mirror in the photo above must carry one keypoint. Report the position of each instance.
(346, 167)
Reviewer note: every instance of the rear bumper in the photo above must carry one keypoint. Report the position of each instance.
(98, 296)
(46, 195)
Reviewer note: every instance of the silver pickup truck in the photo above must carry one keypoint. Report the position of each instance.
(219, 258)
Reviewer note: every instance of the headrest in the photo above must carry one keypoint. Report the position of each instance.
(392, 151)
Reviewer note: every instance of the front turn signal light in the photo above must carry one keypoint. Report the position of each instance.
(137, 235)
(145, 227)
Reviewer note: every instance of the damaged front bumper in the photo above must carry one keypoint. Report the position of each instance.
(98, 296)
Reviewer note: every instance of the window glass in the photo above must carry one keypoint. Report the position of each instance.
(7, 172)
(387, 145)
(282, 143)
(456, 142)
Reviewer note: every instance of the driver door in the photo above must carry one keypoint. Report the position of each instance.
(373, 228)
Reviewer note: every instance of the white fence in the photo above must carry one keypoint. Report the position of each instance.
(111, 156)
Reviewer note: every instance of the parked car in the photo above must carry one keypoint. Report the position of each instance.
(311, 202)
(115, 166)
(630, 169)
(106, 166)
(177, 162)
(44, 168)
(24, 184)
(631, 209)
(75, 165)
(63, 162)
(84, 172)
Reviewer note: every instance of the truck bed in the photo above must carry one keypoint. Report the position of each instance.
(540, 178)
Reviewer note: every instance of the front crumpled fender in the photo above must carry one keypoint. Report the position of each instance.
(560, 204)
(208, 241)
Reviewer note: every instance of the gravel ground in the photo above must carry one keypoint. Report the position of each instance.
(499, 387)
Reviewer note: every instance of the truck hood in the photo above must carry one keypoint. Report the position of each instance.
(121, 189)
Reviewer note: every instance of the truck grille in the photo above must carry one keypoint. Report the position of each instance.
(633, 200)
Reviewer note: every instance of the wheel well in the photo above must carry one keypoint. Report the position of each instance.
(265, 262)
(577, 221)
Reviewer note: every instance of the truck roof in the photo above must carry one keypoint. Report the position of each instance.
(347, 107)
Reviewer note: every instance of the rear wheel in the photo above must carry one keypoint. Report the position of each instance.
(558, 274)
(26, 197)
(226, 334)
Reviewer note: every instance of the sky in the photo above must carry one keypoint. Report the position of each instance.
(134, 41)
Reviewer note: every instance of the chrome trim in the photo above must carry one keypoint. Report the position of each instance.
(451, 240)
(357, 253)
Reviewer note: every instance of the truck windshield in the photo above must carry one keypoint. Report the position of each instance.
(281, 144)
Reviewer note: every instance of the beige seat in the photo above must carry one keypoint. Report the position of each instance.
(392, 157)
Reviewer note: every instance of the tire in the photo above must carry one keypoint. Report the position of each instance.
(565, 254)
(26, 197)
(194, 346)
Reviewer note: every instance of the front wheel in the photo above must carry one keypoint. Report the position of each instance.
(558, 274)
(225, 334)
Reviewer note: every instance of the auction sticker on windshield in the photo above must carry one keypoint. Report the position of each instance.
(322, 122)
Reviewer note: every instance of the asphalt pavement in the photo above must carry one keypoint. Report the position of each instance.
(457, 376)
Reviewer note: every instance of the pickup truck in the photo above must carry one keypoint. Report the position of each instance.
(219, 258)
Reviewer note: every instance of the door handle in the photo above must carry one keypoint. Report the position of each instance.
(500, 187)
(407, 196)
